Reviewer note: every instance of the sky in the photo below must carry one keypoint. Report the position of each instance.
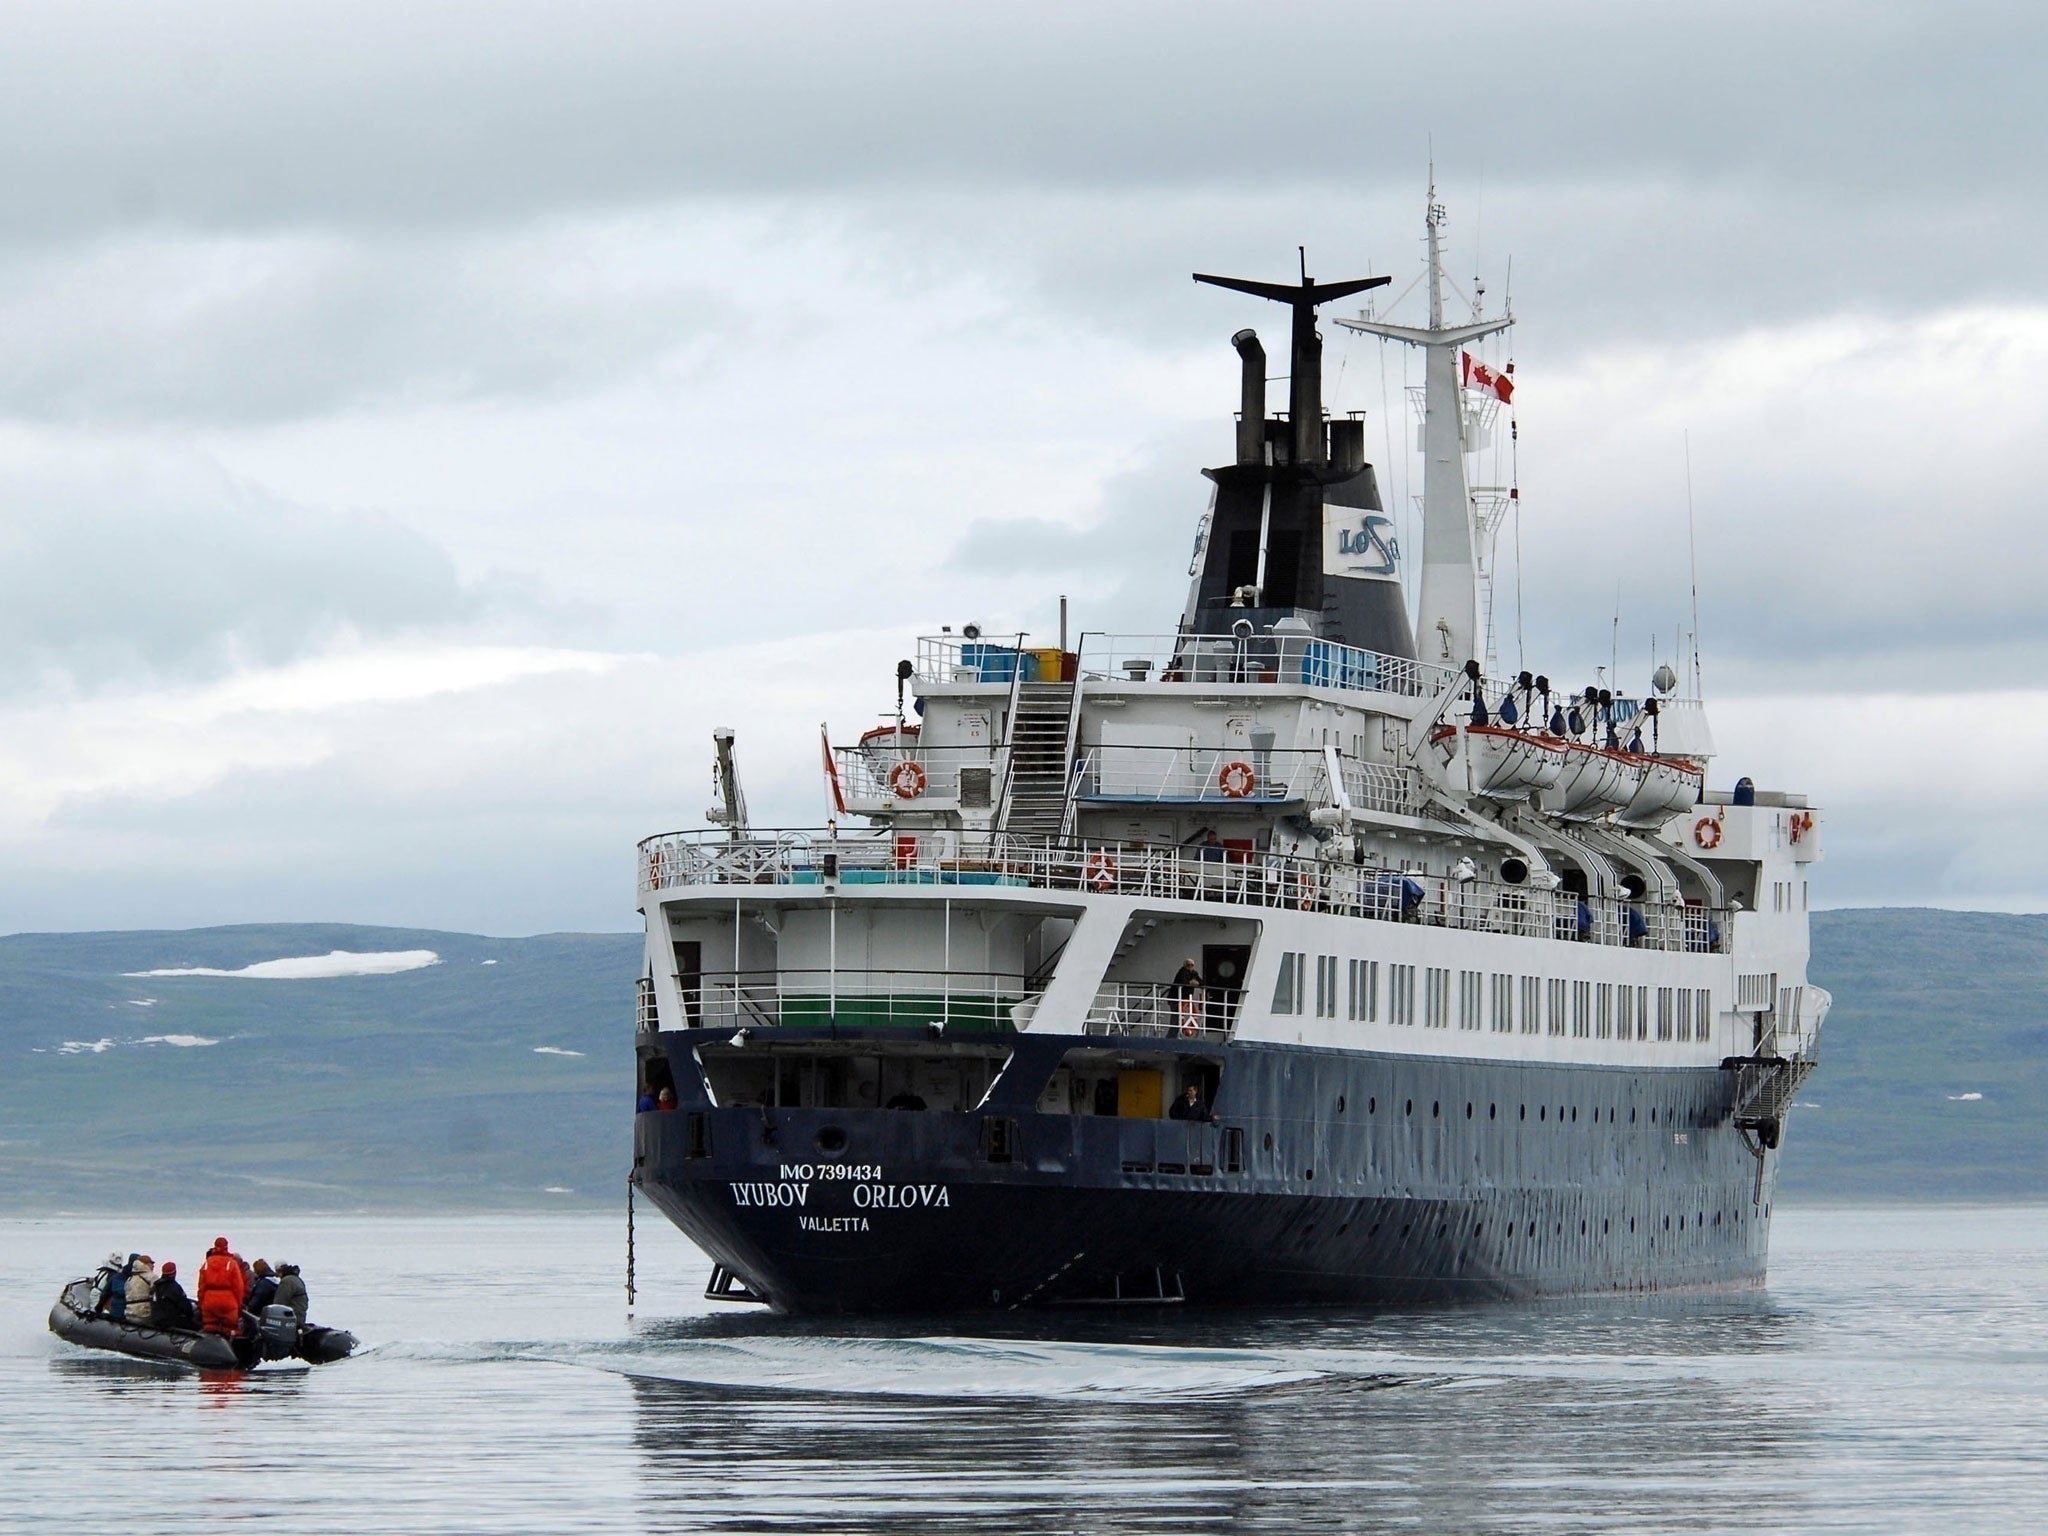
(420, 425)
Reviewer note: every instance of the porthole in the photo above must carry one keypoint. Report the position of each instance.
(1343, 1227)
(1372, 1104)
(1269, 1141)
(1436, 1109)
(1582, 1226)
(1542, 1111)
(1560, 1114)
(1575, 1114)
(1340, 1103)
(1409, 1109)
(831, 1140)
(1603, 1226)
(1492, 1110)
(1404, 1229)
(1631, 1115)
(1631, 1223)
(1532, 1229)
(1653, 1115)
(1479, 1228)
(1468, 1111)
(1667, 1223)
(1309, 1174)
(1525, 1112)
(1374, 1231)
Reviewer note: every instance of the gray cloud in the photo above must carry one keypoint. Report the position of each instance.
(162, 568)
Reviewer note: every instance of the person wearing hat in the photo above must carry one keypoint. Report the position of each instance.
(140, 1286)
(221, 1290)
(262, 1287)
(291, 1291)
(169, 1306)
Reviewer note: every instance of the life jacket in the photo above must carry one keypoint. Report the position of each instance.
(221, 1274)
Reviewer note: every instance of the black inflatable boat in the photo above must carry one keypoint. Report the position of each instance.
(276, 1335)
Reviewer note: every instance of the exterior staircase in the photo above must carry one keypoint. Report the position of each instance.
(1041, 748)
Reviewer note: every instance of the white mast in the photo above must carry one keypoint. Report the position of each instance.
(1447, 610)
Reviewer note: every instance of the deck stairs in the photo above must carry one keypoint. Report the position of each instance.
(1035, 791)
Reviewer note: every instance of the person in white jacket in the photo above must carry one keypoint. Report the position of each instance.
(141, 1284)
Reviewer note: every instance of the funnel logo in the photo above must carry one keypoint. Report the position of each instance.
(1365, 547)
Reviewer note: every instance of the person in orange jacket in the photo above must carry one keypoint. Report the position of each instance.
(221, 1289)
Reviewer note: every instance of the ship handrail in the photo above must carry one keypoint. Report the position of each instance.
(1171, 872)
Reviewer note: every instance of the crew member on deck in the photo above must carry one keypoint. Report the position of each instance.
(1187, 987)
(1189, 1105)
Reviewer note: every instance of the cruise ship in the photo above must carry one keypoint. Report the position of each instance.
(1286, 956)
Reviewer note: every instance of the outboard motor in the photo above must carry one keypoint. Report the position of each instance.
(277, 1332)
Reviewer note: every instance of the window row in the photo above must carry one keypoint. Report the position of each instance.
(1496, 1000)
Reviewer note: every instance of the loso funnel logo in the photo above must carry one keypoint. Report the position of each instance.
(1369, 549)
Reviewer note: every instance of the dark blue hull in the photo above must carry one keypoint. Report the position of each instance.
(1327, 1177)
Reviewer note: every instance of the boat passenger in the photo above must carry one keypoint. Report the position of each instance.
(110, 1282)
(140, 1287)
(665, 1100)
(645, 1103)
(221, 1290)
(169, 1306)
(262, 1288)
(291, 1291)
(1189, 1105)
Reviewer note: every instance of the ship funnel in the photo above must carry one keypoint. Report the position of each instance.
(1251, 417)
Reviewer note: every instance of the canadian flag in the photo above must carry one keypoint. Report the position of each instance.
(1476, 375)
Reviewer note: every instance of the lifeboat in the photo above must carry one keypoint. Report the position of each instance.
(275, 1335)
(1670, 785)
(1507, 764)
(1594, 782)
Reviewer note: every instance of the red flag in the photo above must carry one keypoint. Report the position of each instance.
(832, 771)
(1475, 375)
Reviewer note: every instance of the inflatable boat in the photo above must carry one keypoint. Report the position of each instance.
(276, 1335)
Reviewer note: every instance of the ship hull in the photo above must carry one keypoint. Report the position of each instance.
(1328, 1177)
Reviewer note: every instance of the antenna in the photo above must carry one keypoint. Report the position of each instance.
(1614, 648)
(1692, 552)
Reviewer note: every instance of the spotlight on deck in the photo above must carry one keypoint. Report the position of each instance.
(739, 1037)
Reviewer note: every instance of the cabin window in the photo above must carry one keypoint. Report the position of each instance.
(1582, 1009)
(1603, 1013)
(1288, 985)
(1436, 998)
(1471, 999)
(1666, 1012)
(1532, 1004)
(1503, 1003)
(1626, 1021)
(1361, 990)
(1326, 986)
(1556, 1010)
(1401, 994)
(1685, 1013)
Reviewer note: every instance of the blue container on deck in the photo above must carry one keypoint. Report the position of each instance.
(998, 663)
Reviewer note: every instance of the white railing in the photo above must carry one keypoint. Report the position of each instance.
(873, 774)
(1378, 787)
(854, 999)
(1153, 1008)
(1258, 658)
(1222, 775)
(1169, 873)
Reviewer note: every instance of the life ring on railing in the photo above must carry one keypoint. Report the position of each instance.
(907, 779)
(1236, 779)
(1802, 823)
(1707, 832)
(1100, 871)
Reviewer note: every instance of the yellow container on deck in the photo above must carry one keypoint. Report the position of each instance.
(1052, 664)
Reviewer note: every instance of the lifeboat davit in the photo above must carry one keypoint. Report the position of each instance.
(1507, 764)
(1594, 782)
(1670, 785)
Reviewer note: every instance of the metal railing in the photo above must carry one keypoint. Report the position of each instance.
(1156, 1008)
(870, 773)
(1220, 775)
(1163, 872)
(856, 999)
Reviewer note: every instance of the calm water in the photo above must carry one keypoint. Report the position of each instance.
(1894, 1378)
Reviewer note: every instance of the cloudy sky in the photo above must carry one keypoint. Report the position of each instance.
(419, 425)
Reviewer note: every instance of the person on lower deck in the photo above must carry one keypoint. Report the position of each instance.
(110, 1286)
(221, 1290)
(140, 1288)
(169, 1306)
(1189, 1105)
(291, 1291)
(1187, 987)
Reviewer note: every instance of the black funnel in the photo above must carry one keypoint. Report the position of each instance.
(1305, 366)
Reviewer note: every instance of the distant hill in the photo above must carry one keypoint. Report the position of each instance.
(437, 1085)
(1930, 1007)
(501, 1074)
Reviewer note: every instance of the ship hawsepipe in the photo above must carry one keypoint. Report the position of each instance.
(1329, 1177)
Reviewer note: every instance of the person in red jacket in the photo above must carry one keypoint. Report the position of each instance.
(221, 1289)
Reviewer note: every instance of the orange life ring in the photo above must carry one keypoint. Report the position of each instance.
(907, 779)
(1100, 871)
(1802, 823)
(1236, 779)
(1707, 832)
